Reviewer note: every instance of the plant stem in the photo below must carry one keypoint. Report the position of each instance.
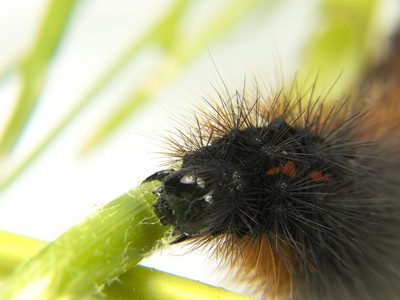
(86, 257)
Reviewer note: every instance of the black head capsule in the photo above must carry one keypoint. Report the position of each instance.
(184, 202)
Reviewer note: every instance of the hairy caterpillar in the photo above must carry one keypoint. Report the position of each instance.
(299, 194)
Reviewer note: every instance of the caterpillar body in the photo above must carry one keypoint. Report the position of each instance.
(298, 194)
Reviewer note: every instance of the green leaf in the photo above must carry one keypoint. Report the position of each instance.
(180, 53)
(339, 46)
(33, 70)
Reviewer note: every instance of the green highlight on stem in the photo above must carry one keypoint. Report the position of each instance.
(14, 249)
(97, 259)
(149, 284)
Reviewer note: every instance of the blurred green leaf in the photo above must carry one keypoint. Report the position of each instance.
(106, 77)
(6, 70)
(149, 284)
(180, 54)
(339, 46)
(33, 70)
(177, 55)
(15, 249)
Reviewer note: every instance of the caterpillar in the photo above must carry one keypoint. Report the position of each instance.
(298, 194)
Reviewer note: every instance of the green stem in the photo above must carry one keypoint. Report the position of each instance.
(86, 257)
(149, 284)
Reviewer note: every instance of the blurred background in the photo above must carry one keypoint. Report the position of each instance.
(88, 87)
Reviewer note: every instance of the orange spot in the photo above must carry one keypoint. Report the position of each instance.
(328, 179)
(274, 171)
(319, 177)
(288, 169)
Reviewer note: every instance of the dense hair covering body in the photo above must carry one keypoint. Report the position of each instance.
(298, 194)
